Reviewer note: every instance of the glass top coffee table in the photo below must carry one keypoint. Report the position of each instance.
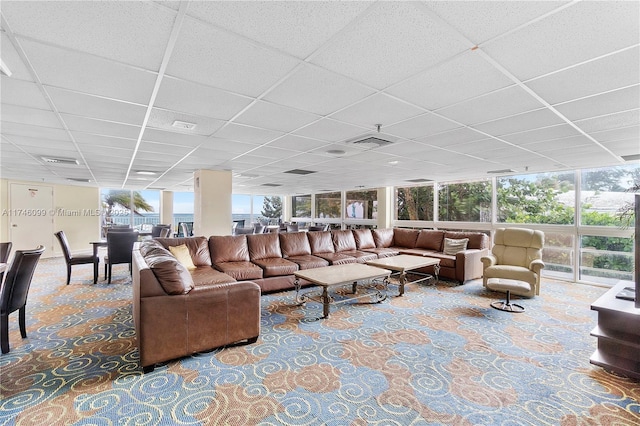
(406, 263)
(363, 279)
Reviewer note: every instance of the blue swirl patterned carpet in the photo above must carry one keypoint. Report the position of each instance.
(440, 355)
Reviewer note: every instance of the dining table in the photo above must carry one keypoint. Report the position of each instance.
(96, 245)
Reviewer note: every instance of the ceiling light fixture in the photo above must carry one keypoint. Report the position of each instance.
(336, 152)
(146, 172)
(60, 160)
(183, 125)
(394, 162)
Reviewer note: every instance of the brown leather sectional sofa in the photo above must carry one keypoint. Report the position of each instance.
(179, 311)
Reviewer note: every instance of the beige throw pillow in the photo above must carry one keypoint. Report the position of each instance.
(451, 246)
(181, 253)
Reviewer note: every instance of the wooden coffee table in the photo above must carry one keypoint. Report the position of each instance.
(405, 263)
(357, 275)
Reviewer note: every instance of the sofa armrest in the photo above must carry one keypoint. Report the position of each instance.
(469, 265)
(489, 260)
(536, 266)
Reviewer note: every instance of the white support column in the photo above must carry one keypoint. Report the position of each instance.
(385, 207)
(166, 208)
(212, 202)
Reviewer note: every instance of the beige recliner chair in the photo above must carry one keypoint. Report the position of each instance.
(515, 262)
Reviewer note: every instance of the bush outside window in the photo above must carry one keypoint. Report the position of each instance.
(301, 206)
(414, 203)
(465, 202)
(328, 205)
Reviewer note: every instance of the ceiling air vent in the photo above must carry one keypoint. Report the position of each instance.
(632, 157)
(497, 172)
(300, 172)
(418, 180)
(271, 184)
(60, 160)
(79, 180)
(372, 142)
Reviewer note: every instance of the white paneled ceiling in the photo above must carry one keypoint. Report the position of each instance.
(459, 88)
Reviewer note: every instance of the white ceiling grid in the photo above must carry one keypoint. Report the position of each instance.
(461, 88)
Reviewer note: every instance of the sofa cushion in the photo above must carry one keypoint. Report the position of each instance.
(383, 251)
(361, 256)
(405, 237)
(383, 237)
(294, 244)
(263, 246)
(320, 242)
(336, 258)
(343, 240)
(228, 248)
(148, 246)
(181, 253)
(198, 248)
(308, 261)
(240, 271)
(430, 239)
(477, 240)
(364, 239)
(451, 246)
(276, 266)
(171, 274)
(206, 275)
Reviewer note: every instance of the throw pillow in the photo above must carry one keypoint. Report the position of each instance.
(451, 246)
(181, 253)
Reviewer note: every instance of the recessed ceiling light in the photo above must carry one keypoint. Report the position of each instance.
(60, 160)
(146, 172)
(79, 180)
(336, 152)
(300, 172)
(394, 162)
(418, 180)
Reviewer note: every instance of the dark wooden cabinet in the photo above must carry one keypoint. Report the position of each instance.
(618, 334)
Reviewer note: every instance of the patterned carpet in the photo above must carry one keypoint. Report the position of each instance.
(437, 356)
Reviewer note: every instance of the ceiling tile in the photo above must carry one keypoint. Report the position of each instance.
(22, 93)
(498, 104)
(543, 134)
(630, 132)
(173, 137)
(463, 77)
(610, 122)
(606, 103)
(605, 74)
(131, 32)
(12, 59)
(330, 130)
(453, 137)
(298, 28)
(421, 126)
(297, 143)
(246, 134)
(9, 129)
(89, 74)
(482, 21)
(107, 143)
(587, 29)
(275, 117)
(216, 58)
(522, 122)
(624, 147)
(377, 109)
(163, 120)
(30, 116)
(100, 127)
(392, 33)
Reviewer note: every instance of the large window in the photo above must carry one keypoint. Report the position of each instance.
(414, 203)
(547, 198)
(241, 209)
(465, 202)
(139, 209)
(301, 206)
(183, 203)
(361, 204)
(606, 259)
(328, 205)
(267, 209)
(604, 192)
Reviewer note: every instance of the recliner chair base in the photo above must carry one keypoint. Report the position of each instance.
(507, 305)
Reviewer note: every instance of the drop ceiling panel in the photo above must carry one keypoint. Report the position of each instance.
(482, 21)
(453, 137)
(543, 134)
(86, 139)
(330, 130)
(12, 59)
(606, 103)
(132, 32)
(631, 132)
(391, 33)
(29, 116)
(463, 77)
(297, 143)
(193, 98)
(482, 146)
(89, 74)
(617, 27)
(100, 127)
(610, 122)
(377, 109)
(94, 107)
(298, 28)
(27, 142)
(22, 93)
(174, 138)
(317, 90)
(219, 59)
(161, 119)
(9, 129)
(624, 147)
(570, 144)
(498, 104)
(246, 134)
(590, 78)
(528, 121)
(275, 117)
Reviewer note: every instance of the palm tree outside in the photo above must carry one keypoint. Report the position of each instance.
(116, 199)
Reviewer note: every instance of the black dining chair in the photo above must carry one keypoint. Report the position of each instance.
(5, 249)
(14, 291)
(119, 248)
(156, 231)
(70, 259)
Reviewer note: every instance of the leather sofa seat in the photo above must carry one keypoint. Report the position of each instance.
(383, 239)
(264, 251)
(230, 254)
(345, 243)
(295, 248)
(322, 246)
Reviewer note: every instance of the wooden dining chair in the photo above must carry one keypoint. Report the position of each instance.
(71, 259)
(14, 292)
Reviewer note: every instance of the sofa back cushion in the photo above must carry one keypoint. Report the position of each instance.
(477, 240)
(264, 246)
(228, 248)
(171, 274)
(430, 239)
(364, 238)
(198, 248)
(383, 237)
(149, 246)
(405, 237)
(343, 240)
(294, 244)
(320, 242)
